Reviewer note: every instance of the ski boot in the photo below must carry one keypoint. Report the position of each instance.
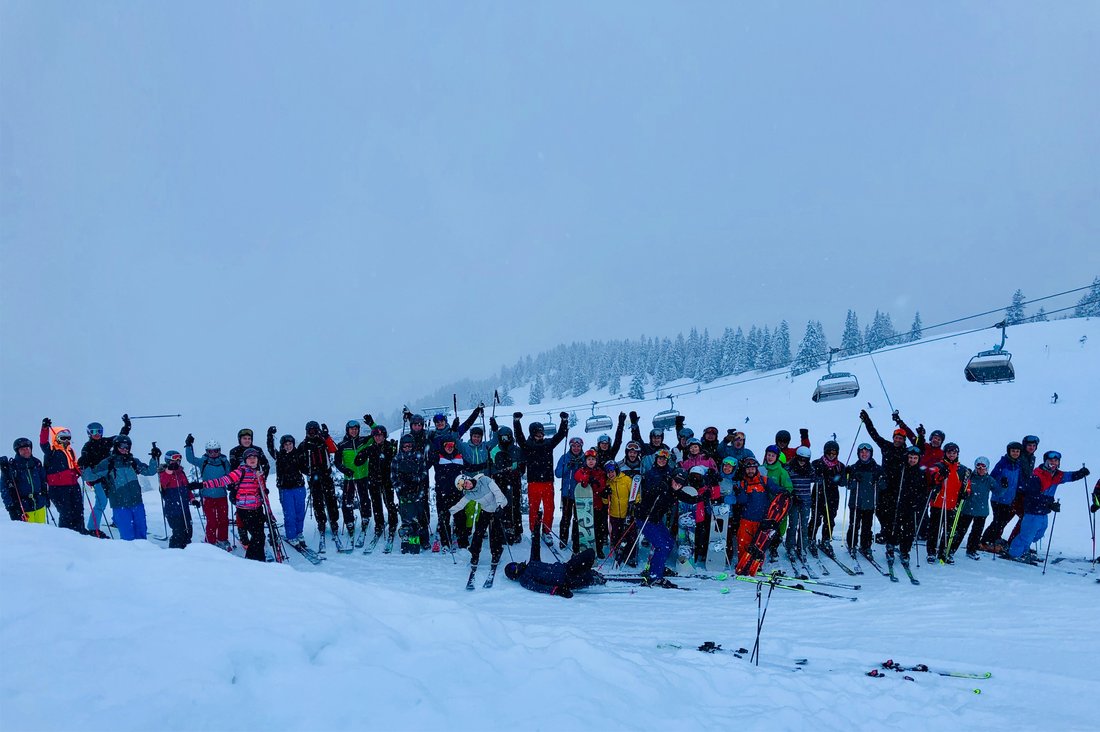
(905, 560)
(973, 555)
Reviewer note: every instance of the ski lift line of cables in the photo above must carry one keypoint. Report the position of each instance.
(623, 401)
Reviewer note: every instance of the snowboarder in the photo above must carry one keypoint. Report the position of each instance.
(777, 472)
(594, 477)
(408, 473)
(1039, 501)
(290, 474)
(120, 471)
(215, 501)
(62, 475)
(23, 482)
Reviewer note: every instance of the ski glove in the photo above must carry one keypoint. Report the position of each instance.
(190, 440)
(271, 431)
(46, 422)
(368, 419)
(633, 418)
(517, 415)
(493, 424)
(155, 453)
(126, 421)
(864, 417)
(324, 429)
(622, 418)
(1056, 507)
(804, 433)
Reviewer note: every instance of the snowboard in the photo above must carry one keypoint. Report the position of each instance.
(586, 516)
(753, 559)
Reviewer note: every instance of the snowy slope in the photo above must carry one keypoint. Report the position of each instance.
(130, 636)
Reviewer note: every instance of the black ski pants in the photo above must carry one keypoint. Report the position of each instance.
(1002, 514)
(938, 530)
(861, 528)
(487, 521)
(322, 492)
(823, 517)
(975, 524)
(70, 506)
(381, 493)
(356, 489)
(252, 522)
(569, 523)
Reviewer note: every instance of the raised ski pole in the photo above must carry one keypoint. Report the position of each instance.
(156, 416)
(1050, 541)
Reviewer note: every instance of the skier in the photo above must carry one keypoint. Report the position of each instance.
(355, 477)
(777, 472)
(783, 442)
(314, 452)
(606, 449)
(379, 456)
(951, 484)
(698, 462)
(408, 473)
(62, 475)
(23, 482)
(802, 478)
(290, 480)
(1039, 501)
(684, 436)
(862, 478)
(95, 450)
(236, 454)
(829, 472)
(248, 496)
(475, 451)
(1008, 478)
(974, 509)
(556, 578)
(710, 444)
(631, 464)
(120, 471)
(594, 477)
(757, 491)
(176, 497)
(656, 441)
(620, 513)
(566, 470)
(448, 466)
(482, 491)
(506, 469)
(538, 455)
(899, 513)
(453, 432)
(733, 445)
(1028, 460)
(215, 501)
(729, 512)
(661, 489)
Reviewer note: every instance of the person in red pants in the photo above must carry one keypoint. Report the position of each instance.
(538, 454)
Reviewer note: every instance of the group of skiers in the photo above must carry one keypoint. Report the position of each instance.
(692, 493)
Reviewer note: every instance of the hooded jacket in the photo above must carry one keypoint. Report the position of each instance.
(485, 492)
(59, 460)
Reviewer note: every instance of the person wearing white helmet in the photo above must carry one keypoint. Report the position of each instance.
(215, 500)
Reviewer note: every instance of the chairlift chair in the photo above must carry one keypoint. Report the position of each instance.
(549, 427)
(841, 385)
(666, 419)
(993, 366)
(597, 422)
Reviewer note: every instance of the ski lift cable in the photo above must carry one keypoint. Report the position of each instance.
(624, 401)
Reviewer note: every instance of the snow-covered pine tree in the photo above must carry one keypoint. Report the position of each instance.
(1089, 304)
(536, 391)
(614, 384)
(506, 399)
(764, 352)
(748, 353)
(810, 352)
(851, 342)
(712, 361)
(916, 330)
(637, 387)
(781, 346)
(1040, 316)
(572, 419)
(1014, 313)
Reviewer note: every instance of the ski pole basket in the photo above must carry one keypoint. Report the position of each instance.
(597, 422)
(841, 385)
(993, 366)
(666, 419)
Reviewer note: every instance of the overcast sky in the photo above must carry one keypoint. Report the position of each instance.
(262, 212)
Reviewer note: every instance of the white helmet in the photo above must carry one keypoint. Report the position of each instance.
(460, 480)
(213, 445)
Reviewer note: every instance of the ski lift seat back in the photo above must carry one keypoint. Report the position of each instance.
(666, 419)
(841, 385)
(549, 427)
(993, 366)
(598, 423)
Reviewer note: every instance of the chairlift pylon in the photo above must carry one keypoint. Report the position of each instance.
(666, 419)
(993, 366)
(549, 427)
(597, 422)
(841, 385)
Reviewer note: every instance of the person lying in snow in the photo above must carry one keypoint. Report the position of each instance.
(555, 578)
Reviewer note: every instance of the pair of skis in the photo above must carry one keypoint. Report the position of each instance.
(488, 580)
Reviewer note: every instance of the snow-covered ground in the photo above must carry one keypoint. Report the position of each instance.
(121, 636)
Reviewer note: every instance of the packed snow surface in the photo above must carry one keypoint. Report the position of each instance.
(132, 636)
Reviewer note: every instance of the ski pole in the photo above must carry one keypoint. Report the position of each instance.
(637, 538)
(1092, 517)
(881, 383)
(156, 416)
(500, 527)
(955, 523)
(610, 554)
(1050, 541)
(760, 622)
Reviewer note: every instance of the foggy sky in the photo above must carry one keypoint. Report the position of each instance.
(261, 213)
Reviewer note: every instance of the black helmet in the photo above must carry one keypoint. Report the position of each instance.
(749, 462)
(513, 570)
(379, 429)
(416, 419)
(680, 476)
(937, 432)
(477, 431)
(913, 450)
(656, 433)
(536, 428)
(251, 452)
(832, 446)
(950, 446)
(313, 426)
(285, 439)
(21, 442)
(407, 440)
(123, 440)
(783, 435)
(1014, 446)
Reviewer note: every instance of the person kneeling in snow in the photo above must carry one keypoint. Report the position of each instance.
(555, 578)
(484, 492)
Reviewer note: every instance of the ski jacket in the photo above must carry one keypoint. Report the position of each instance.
(727, 488)
(60, 461)
(790, 453)
(756, 495)
(250, 487)
(314, 452)
(893, 457)
(701, 459)
(539, 454)
(603, 456)
(486, 493)
(288, 466)
(452, 433)
(568, 465)
(657, 495)
(209, 468)
(630, 470)
(408, 470)
(174, 488)
(347, 454)
(802, 481)
(24, 486)
(778, 472)
(862, 479)
(447, 468)
(505, 457)
(1038, 494)
(1012, 472)
(596, 479)
(378, 457)
(236, 457)
(619, 496)
(711, 448)
(738, 454)
(476, 457)
(120, 478)
(549, 578)
(978, 502)
(951, 481)
(96, 451)
(647, 447)
(828, 474)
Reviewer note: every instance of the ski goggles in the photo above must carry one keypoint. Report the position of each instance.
(98, 432)
(64, 438)
(1052, 455)
(177, 458)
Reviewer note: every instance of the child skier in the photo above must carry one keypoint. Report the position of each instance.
(975, 509)
(248, 497)
(176, 497)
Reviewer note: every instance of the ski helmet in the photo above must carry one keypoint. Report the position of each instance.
(504, 434)
(698, 470)
(20, 443)
(604, 438)
(287, 438)
(251, 452)
(576, 441)
(680, 476)
(832, 446)
(1031, 440)
(123, 441)
(749, 462)
(213, 445)
(803, 452)
(460, 481)
(695, 441)
(656, 433)
(611, 465)
(732, 462)
(942, 436)
(512, 570)
(477, 431)
(865, 446)
(64, 434)
(981, 461)
(352, 423)
(1051, 455)
(312, 426)
(407, 440)
(244, 431)
(662, 453)
(710, 431)
(686, 432)
(439, 417)
(95, 428)
(536, 428)
(416, 419)
(172, 455)
(913, 450)
(783, 436)
(899, 432)
(949, 447)
(379, 430)
(590, 453)
(773, 449)
(1014, 446)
